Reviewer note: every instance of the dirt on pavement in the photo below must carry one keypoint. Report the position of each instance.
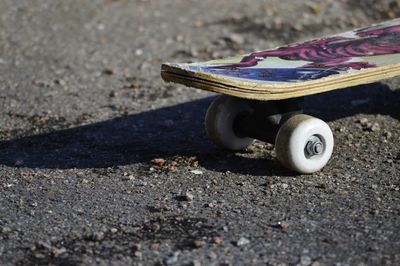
(102, 163)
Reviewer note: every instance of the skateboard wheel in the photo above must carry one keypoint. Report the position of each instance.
(304, 144)
(219, 122)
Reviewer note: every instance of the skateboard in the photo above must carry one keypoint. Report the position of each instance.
(262, 91)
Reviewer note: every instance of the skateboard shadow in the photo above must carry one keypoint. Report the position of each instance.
(175, 131)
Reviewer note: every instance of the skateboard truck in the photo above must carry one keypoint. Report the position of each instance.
(264, 121)
(302, 143)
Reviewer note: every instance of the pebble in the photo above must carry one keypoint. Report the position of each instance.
(109, 71)
(197, 172)
(198, 243)
(195, 263)
(283, 225)
(217, 240)
(235, 38)
(154, 246)
(128, 177)
(155, 227)
(188, 196)
(305, 260)
(98, 236)
(60, 82)
(136, 247)
(374, 127)
(159, 162)
(387, 134)
(39, 255)
(242, 242)
(112, 94)
(139, 52)
(366, 125)
(59, 251)
(212, 255)
(138, 254)
(171, 259)
(43, 244)
(141, 183)
(363, 121)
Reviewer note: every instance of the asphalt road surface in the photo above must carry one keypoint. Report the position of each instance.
(101, 163)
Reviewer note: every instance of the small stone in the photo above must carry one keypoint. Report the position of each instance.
(179, 38)
(171, 259)
(136, 247)
(195, 263)
(387, 134)
(5, 229)
(138, 254)
(39, 83)
(113, 230)
(235, 38)
(188, 196)
(199, 24)
(98, 236)
(141, 183)
(321, 185)
(363, 121)
(128, 177)
(59, 251)
(112, 94)
(197, 172)
(155, 227)
(154, 246)
(43, 244)
(39, 255)
(159, 162)
(198, 243)
(139, 52)
(283, 225)
(108, 71)
(375, 127)
(217, 240)
(212, 255)
(316, 9)
(305, 260)
(60, 82)
(242, 242)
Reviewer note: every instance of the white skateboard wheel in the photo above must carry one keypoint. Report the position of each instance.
(219, 122)
(304, 144)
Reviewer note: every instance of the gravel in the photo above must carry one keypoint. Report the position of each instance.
(97, 153)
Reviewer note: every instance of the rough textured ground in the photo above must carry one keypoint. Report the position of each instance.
(84, 112)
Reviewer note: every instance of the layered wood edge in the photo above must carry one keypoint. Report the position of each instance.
(271, 90)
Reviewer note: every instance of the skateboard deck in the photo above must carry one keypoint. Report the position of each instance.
(348, 59)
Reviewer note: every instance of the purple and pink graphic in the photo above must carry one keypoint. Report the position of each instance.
(360, 49)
